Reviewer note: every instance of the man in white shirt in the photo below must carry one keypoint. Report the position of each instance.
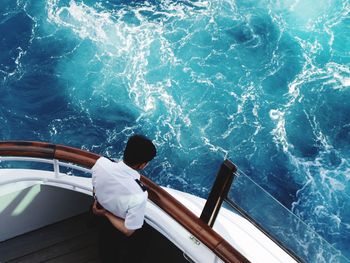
(120, 196)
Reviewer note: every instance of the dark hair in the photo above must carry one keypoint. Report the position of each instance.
(139, 149)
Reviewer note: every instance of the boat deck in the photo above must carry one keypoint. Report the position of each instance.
(75, 240)
(71, 240)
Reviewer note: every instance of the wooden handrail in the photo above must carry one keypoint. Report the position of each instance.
(157, 195)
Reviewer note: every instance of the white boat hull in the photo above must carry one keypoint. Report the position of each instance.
(31, 199)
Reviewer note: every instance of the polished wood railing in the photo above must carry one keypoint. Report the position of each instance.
(197, 227)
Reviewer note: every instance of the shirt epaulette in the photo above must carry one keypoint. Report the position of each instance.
(144, 188)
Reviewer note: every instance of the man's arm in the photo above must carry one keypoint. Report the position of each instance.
(117, 222)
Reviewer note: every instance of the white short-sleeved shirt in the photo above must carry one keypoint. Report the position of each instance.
(118, 192)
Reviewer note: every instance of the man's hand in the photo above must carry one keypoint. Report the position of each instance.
(98, 211)
(115, 221)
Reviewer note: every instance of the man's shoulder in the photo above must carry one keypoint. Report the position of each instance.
(105, 159)
(98, 162)
(142, 186)
(111, 159)
(105, 162)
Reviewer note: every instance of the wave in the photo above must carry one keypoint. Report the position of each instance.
(265, 84)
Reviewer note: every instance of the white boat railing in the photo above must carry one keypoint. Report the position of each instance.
(58, 178)
(72, 158)
(55, 163)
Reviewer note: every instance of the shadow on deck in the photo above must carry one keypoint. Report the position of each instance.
(75, 240)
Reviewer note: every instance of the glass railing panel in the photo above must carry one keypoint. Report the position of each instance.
(282, 225)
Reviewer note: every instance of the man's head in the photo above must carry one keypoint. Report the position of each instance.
(139, 151)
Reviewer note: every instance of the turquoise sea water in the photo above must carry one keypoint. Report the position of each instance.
(263, 83)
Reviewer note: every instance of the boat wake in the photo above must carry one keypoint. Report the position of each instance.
(265, 84)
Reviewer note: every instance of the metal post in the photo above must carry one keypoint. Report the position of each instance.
(218, 192)
(56, 168)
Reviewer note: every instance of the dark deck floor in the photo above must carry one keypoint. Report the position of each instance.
(71, 240)
(75, 240)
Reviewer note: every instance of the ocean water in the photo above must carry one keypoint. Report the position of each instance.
(263, 83)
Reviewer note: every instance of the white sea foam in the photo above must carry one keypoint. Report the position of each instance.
(279, 133)
(119, 40)
(178, 118)
(340, 74)
(323, 185)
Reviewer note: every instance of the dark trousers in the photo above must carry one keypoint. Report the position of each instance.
(115, 247)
